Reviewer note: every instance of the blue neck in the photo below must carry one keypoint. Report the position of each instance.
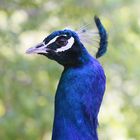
(70, 123)
(78, 99)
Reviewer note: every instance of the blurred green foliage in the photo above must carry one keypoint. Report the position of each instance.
(28, 83)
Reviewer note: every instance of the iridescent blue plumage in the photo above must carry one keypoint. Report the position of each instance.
(103, 38)
(78, 99)
(81, 88)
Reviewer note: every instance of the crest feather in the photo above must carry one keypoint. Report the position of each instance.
(95, 36)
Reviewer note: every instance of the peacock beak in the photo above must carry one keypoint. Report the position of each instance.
(40, 48)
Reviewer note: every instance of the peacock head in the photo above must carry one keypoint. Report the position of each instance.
(65, 46)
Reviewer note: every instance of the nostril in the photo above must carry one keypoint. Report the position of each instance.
(39, 45)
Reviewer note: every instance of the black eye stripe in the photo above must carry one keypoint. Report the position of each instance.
(49, 38)
(62, 40)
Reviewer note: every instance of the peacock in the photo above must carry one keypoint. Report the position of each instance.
(82, 84)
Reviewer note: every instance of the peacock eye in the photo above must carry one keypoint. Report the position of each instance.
(61, 41)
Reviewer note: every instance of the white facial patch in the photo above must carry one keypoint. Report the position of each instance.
(42, 47)
(68, 46)
(51, 41)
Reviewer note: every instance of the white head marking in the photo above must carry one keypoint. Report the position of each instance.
(68, 46)
(51, 41)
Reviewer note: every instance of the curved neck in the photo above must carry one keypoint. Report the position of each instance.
(71, 119)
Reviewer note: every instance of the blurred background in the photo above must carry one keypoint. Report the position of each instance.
(28, 83)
